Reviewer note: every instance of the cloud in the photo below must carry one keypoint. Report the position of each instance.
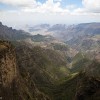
(21, 3)
(34, 6)
(92, 5)
(51, 11)
(71, 7)
(54, 6)
(48, 6)
(57, 0)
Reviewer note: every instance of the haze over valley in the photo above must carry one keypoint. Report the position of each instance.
(58, 60)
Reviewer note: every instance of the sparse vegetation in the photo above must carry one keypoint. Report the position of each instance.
(51, 72)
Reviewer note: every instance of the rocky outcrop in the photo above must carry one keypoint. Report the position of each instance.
(88, 88)
(13, 84)
(8, 70)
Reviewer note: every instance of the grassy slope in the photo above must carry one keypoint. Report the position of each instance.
(79, 62)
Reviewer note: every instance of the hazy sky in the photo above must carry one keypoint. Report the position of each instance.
(18, 13)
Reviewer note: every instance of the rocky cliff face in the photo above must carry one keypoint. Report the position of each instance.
(14, 85)
(88, 88)
(8, 71)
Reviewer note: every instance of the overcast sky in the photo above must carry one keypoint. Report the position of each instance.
(18, 13)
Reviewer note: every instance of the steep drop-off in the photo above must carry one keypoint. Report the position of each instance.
(14, 86)
(8, 71)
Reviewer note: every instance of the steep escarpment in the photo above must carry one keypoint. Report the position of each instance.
(88, 88)
(44, 65)
(42, 70)
(13, 85)
(79, 87)
(8, 71)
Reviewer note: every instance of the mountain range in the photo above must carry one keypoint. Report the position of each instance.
(63, 64)
(83, 37)
(66, 32)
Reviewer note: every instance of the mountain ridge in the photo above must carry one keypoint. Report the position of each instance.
(49, 69)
